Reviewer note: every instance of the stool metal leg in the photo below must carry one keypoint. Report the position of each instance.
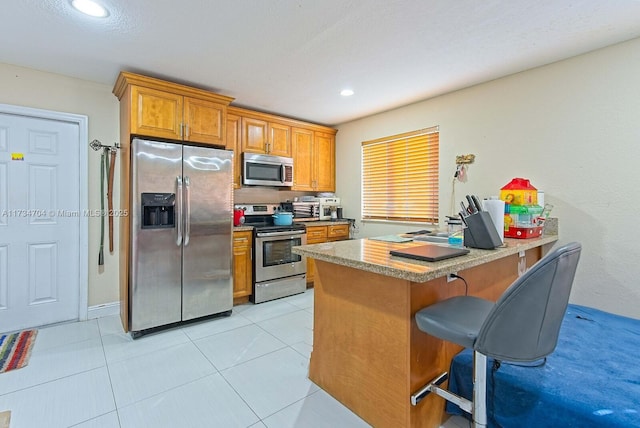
(477, 407)
(479, 390)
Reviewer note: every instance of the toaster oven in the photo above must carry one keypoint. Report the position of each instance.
(303, 211)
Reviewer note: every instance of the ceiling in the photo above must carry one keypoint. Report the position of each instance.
(293, 57)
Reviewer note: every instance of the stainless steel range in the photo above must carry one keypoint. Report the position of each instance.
(277, 272)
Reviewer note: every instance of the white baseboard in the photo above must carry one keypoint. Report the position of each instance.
(104, 310)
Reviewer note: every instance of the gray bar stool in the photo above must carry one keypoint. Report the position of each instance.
(523, 325)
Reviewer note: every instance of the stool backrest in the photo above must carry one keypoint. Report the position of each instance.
(525, 322)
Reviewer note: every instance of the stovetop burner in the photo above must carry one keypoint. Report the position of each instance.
(272, 228)
(260, 217)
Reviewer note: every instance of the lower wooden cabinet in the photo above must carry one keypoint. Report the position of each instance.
(337, 232)
(242, 263)
(320, 234)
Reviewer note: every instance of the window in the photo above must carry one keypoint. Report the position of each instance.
(400, 177)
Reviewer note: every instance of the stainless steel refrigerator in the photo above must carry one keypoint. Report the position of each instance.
(181, 233)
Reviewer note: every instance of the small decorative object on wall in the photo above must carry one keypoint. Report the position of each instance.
(460, 175)
(465, 159)
(461, 166)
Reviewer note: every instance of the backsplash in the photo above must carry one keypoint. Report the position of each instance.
(260, 195)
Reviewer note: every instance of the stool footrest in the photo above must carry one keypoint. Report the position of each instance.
(432, 386)
(428, 388)
(461, 402)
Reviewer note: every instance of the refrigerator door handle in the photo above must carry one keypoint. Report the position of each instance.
(187, 213)
(179, 210)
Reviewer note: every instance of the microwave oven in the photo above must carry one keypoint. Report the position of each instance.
(267, 170)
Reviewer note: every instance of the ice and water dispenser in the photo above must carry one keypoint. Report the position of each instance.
(158, 210)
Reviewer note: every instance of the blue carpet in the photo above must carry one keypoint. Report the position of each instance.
(591, 380)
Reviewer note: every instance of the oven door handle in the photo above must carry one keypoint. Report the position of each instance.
(285, 233)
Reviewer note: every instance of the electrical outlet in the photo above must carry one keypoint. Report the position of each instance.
(450, 277)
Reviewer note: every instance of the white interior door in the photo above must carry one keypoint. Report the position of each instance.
(39, 221)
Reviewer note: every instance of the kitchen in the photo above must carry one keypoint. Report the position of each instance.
(528, 123)
(465, 119)
(266, 148)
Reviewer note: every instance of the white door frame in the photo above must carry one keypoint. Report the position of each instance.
(83, 247)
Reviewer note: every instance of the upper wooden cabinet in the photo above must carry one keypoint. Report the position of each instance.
(172, 111)
(314, 161)
(303, 158)
(324, 161)
(311, 146)
(261, 136)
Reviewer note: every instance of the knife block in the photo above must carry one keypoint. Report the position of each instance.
(481, 232)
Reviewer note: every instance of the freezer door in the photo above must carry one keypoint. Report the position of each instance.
(155, 274)
(207, 286)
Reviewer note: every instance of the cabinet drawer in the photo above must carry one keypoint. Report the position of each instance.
(241, 241)
(339, 231)
(316, 234)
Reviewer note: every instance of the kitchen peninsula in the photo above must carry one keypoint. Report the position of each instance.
(367, 350)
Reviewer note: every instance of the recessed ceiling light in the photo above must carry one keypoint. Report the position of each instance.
(346, 92)
(91, 8)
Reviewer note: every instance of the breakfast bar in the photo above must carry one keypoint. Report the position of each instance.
(367, 350)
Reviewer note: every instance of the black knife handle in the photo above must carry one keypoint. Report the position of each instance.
(477, 202)
(472, 208)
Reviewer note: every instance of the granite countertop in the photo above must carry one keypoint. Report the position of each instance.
(373, 256)
(306, 223)
(324, 222)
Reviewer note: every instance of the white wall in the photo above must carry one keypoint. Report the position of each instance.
(35, 89)
(572, 128)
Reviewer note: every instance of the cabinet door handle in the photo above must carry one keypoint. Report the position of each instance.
(186, 133)
(181, 126)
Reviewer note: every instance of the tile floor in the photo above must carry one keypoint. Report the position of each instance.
(247, 370)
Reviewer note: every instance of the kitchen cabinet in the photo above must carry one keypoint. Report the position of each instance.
(303, 159)
(337, 232)
(167, 110)
(324, 156)
(320, 234)
(311, 146)
(234, 143)
(242, 263)
(314, 161)
(264, 137)
(316, 234)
